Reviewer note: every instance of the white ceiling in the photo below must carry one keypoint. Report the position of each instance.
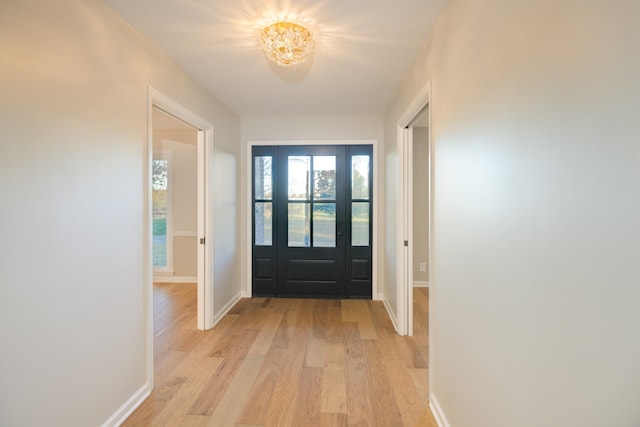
(363, 50)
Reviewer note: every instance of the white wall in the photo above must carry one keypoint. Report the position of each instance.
(420, 238)
(308, 129)
(534, 317)
(389, 260)
(73, 132)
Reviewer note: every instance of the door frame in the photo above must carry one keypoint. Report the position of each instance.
(247, 292)
(205, 230)
(405, 212)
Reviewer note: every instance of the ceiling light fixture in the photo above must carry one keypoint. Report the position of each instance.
(287, 43)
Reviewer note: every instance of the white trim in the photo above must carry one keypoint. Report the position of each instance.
(404, 143)
(205, 230)
(185, 234)
(420, 284)
(380, 297)
(313, 142)
(123, 412)
(408, 225)
(247, 291)
(224, 310)
(175, 279)
(205, 147)
(437, 411)
(205, 305)
(377, 219)
(419, 102)
(393, 318)
(162, 273)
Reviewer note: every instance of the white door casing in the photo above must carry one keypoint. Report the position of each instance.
(205, 306)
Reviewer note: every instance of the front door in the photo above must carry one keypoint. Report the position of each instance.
(312, 221)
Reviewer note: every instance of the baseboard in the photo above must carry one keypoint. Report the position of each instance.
(129, 406)
(420, 284)
(380, 297)
(437, 412)
(175, 279)
(394, 321)
(224, 310)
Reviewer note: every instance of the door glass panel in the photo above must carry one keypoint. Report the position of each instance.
(324, 225)
(360, 224)
(360, 177)
(160, 210)
(299, 224)
(324, 177)
(263, 225)
(299, 173)
(263, 177)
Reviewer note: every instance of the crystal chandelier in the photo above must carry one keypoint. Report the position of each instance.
(286, 43)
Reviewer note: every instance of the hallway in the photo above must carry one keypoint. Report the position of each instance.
(285, 362)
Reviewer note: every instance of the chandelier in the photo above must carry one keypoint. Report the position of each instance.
(286, 43)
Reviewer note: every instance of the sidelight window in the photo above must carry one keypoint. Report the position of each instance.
(360, 200)
(263, 200)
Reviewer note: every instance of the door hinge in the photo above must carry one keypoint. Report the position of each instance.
(202, 240)
(406, 243)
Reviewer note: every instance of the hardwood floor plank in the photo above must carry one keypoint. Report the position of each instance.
(255, 411)
(178, 407)
(426, 418)
(232, 354)
(387, 414)
(358, 379)
(283, 334)
(334, 391)
(358, 311)
(420, 379)
(234, 399)
(282, 406)
(333, 420)
(365, 322)
(193, 421)
(266, 335)
(334, 331)
(154, 405)
(314, 357)
(407, 398)
(307, 406)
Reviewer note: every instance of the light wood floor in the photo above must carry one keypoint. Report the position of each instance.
(286, 362)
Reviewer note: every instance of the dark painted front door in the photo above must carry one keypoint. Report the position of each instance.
(312, 221)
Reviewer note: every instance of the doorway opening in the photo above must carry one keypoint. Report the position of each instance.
(174, 186)
(415, 210)
(176, 249)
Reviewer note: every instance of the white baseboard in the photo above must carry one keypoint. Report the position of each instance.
(391, 315)
(175, 279)
(420, 284)
(128, 407)
(380, 297)
(228, 306)
(437, 412)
